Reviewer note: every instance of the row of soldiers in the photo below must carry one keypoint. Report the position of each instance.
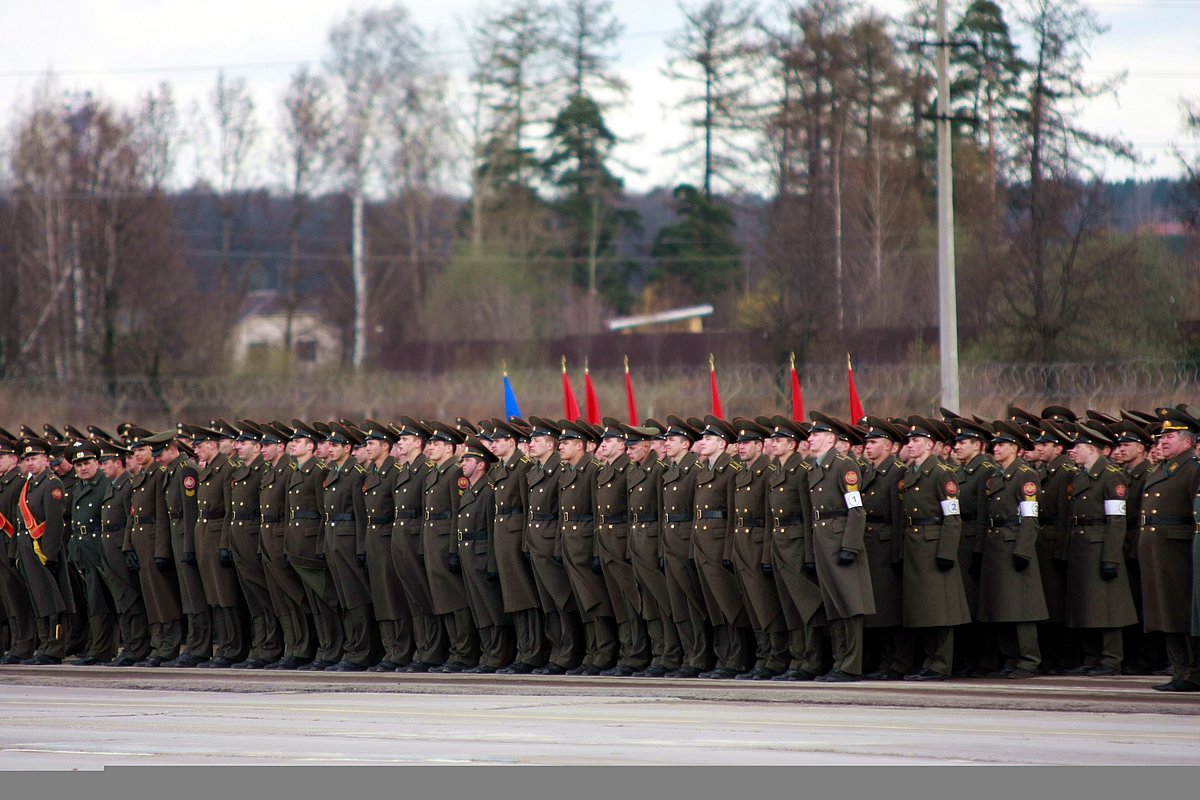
(758, 549)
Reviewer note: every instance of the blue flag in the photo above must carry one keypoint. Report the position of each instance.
(511, 409)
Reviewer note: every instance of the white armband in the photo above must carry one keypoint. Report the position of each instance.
(853, 500)
(1028, 508)
(950, 507)
(1114, 508)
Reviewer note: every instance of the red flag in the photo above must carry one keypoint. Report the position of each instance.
(570, 405)
(589, 397)
(712, 387)
(629, 401)
(856, 409)
(797, 398)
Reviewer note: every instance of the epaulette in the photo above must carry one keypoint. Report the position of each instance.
(773, 466)
(1113, 468)
(320, 464)
(735, 464)
(293, 465)
(524, 459)
(1071, 467)
(596, 463)
(1026, 468)
(947, 467)
(162, 468)
(429, 465)
(359, 467)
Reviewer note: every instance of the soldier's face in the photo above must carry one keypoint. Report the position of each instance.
(36, 464)
(338, 452)
(966, 449)
(270, 452)
(919, 448)
(374, 449)
(877, 448)
(571, 449)
(438, 451)
(208, 450)
(1084, 454)
(503, 446)
(540, 447)
(676, 446)
(1173, 443)
(473, 467)
(144, 456)
(749, 451)
(820, 442)
(639, 450)
(87, 468)
(7, 462)
(111, 467)
(1005, 452)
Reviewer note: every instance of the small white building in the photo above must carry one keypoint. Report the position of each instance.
(258, 335)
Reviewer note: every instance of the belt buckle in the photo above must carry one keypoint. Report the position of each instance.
(602, 522)
(738, 520)
(816, 515)
(1142, 520)
(427, 515)
(291, 513)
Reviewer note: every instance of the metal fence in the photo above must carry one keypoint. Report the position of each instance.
(746, 389)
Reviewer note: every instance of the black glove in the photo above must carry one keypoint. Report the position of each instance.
(286, 563)
(976, 568)
(629, 561)
(492, 577)
(189, 559)
(1060, 565)
(454, 563)
(557, 559)
(1020, 563)
(727, 564)
(162, 564)
(131, 562)
(320, 556)
(945, 564)
(362, 559)
(226, 557)
(768, 569)
(259, 557)
(421, 557)
(845, 557)
(810, 569)
(662, 564)
(525, 556)
(898, 568)
(595, 565)
(1108, 570)
(52, 565)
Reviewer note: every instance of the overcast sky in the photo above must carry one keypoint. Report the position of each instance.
(121, 48)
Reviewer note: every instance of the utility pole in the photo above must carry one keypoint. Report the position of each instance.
(947, 294)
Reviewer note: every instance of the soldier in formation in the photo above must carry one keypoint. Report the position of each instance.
(893, 548)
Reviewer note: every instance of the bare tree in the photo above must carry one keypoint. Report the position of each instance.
(232, 137)
(158, 134)
(307, 127)
(375, 53)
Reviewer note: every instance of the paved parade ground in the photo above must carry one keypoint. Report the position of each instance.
(88, 719)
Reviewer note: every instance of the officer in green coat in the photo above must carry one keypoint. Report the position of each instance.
(14, 594)
(85, 548)
(120, 569)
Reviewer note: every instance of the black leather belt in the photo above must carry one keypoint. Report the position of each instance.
(614, 519)
(577, 518)
(712, 514)
(679, 518)
(750, 522)
(820, 515)
(1047, 520)
(114, 527)
(386, 519)
(542, 516)
(918, 521)
(643, 519)
(90, 527)
(303, 514)
(1084, 522)
(1006, 523)
(477, 536)
(435, 516)
(407, 513)
(145, 520)
(503, 510)
(211, 517)
(272, 519)
(1168, 521)
(246, 516)
(341, 516)
(787, 522)
(880, 519)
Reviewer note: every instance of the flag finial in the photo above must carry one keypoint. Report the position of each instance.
(626, 364)
(564, 364)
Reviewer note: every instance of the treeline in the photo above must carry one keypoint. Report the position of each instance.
(110, 269)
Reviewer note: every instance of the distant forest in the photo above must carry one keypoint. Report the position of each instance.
(496, 211)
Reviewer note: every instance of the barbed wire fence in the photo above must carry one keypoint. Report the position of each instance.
(746, 390)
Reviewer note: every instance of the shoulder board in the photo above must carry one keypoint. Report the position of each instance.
(359, 467)
(947, 467)
(162, 469)
(525, 459)
(735, 465)
(773, 467)
(320, 464)
(1070, 467)
(430, 465)
(1113, 468)
(1025, 468)
(596, 464)
(293, 465)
